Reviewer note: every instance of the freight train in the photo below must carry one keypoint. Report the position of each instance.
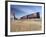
(30, 16)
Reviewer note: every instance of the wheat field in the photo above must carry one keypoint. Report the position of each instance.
(25, 25)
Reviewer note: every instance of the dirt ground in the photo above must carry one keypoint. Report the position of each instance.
(25, 25)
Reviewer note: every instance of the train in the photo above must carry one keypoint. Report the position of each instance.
(31, 16)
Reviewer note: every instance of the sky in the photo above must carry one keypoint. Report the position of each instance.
(22, 10)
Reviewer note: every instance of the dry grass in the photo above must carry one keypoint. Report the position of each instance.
(25, 25)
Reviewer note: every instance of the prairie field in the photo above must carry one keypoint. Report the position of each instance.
(25, 25)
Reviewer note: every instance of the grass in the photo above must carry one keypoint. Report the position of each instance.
(25, 25)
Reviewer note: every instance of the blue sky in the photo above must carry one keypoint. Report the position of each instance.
(21, 10)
